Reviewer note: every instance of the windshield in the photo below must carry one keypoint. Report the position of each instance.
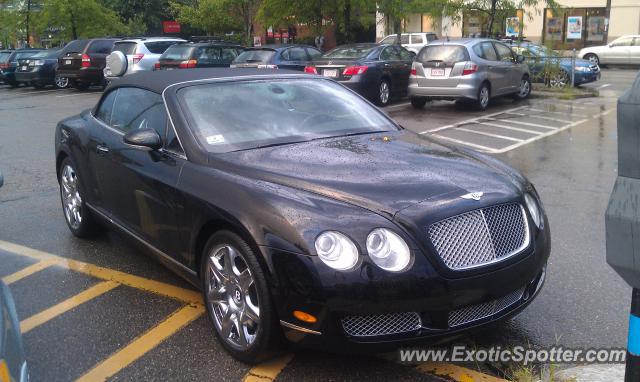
(350, 52)
(4, 56)
(254, 55)
(250, 114)
(47, 54)
(541, 51)
(177, 52)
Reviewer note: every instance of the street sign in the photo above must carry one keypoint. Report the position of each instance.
(171, 27)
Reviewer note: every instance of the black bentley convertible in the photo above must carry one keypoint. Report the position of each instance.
(301, 210)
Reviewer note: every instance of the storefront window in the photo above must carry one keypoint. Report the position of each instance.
(506, 24)
(574, 28)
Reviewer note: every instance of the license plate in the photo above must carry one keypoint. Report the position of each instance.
(437, 72)
(24, 67)
(67, 62)
(330, 72)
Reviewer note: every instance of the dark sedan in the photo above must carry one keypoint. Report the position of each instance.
(277, 56)
(9, 63)
(378, 72)
(39, 70)
(310, 214)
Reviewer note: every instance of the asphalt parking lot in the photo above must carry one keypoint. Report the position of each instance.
(102, 309)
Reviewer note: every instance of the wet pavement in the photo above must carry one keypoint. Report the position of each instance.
(566, 148)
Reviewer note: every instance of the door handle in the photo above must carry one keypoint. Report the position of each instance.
(102, 149)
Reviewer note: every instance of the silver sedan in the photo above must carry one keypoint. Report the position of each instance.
(468, 70)
(623, 50)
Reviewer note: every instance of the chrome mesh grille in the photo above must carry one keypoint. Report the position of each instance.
(381, 324)
(481, 236)
(477, 312)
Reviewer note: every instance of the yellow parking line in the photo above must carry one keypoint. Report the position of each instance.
(185, 295)
(28, 271)
(268, 371)
(66, 305)
(456, 373)
(140, 346)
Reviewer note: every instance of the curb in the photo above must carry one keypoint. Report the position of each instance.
(592, 373)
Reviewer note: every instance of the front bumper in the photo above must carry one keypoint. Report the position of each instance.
(305, 284)
(7, 76)
(586, 77)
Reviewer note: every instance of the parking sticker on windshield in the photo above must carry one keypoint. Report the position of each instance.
(215, 139)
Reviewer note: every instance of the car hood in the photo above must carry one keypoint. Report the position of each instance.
(383, 172)
(583, 63)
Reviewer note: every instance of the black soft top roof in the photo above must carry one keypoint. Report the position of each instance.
(159, 80)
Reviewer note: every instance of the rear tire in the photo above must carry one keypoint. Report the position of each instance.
(384, 93)
(61, 82)
(484, 95)
(418, 102)
(237, 299)
(79, 218)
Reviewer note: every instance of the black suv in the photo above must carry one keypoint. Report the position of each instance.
(9, 63)
(82, 61)
(206, 54)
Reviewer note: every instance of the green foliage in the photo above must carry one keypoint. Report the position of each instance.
(141, 15)
(10, 22)
(79, 19)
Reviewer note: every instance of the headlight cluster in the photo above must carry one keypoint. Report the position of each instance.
(385, 248)
(582, 69)
(534, 209)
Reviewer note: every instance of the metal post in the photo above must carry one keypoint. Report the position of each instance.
(632, 373)
(573, 68)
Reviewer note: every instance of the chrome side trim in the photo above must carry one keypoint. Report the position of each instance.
(299, 328)
(146, 243)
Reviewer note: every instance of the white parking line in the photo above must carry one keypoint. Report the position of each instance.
(32, 92)
(542, 117)
(516, 145)
(521, 123)
(488, 134)
(484, 148)
(603, 86)
(568, 104)
(76, 94)
(398, 105)
(511, 128)
(471, 120)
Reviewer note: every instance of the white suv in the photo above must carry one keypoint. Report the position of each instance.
(141, 54)
(411, 41)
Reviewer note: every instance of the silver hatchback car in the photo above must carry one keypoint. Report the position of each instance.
(141, 54)
(468, 70)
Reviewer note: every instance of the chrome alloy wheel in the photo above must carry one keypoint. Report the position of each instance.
(232, 296)
(71, 199)
(484, 97)
(525, 88)
(559, 80)
(384, 92)
(61, 82)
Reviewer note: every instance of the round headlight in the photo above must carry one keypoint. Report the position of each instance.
(388, 250)
(534, 210)
(336, 250)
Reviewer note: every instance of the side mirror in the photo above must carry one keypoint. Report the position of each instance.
(519, 58)
(143, 138)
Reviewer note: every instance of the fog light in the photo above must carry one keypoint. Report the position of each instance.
(306, 317)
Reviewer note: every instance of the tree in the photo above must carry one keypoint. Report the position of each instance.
(79, 19)
(141, 15)
(218, 16)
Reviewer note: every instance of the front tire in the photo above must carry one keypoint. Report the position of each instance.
(560, 79)
(384, 93)
(79, 219)
(418, 102)
(593, 58)
(484, 95)
(524, 90)
(237, 298)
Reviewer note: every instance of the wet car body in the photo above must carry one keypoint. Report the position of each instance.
(38, 70)
(539, 59)
(365, 74)
(13, 361)
(206, 54)
(83, 61)
(9, 64)
(277, 56)
(281, 197)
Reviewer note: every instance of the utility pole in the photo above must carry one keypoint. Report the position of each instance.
(607, 14)
(28, 14)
